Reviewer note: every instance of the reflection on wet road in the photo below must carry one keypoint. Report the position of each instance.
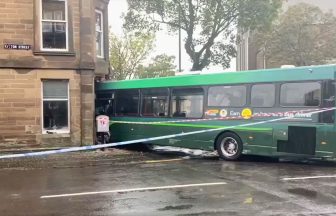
(160, 185)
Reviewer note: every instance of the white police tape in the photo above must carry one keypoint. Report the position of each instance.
(93, 147)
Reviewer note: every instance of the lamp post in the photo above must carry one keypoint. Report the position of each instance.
(179, 36)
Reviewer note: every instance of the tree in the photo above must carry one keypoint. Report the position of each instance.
(127, 53)
(161, 66)
(210, 25)
(303, 35)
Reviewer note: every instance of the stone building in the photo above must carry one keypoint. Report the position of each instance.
(250, 57)
(50, 53)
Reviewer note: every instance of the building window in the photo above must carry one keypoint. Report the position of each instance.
(155, 102)
(227, 96)
(54, 18)
(263, 95)
(300, 94)
(127, 102)
(187, 103)
(55, 106)
(99, 34)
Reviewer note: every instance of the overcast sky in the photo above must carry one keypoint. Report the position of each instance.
(165, 43)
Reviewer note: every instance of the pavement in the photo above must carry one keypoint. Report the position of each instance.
(122, 182)
(89, 158)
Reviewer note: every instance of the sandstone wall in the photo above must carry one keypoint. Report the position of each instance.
(21, 108)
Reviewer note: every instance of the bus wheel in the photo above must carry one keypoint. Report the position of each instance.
(229, 146)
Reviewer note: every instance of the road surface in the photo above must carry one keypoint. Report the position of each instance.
(168, 184)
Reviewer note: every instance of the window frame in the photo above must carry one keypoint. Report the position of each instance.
(102, 38)
(306, 81)
(275, 95)
(55, 131)
(246, 95)
(66, 21)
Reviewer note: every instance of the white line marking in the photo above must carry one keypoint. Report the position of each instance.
(133, 190)
(163, 161)
(308, 177)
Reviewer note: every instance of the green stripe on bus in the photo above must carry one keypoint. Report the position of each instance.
(204, 126)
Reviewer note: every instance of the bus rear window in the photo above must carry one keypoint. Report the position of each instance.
(306, 94)
(127, 102)
(187, 103)
(155, 102)
(227, 96)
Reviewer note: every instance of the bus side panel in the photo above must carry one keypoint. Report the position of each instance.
(123, 132)
(257, 142)
(200, 141)
(325, 141)
(321, 146)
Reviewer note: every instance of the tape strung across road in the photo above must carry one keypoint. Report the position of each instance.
(93, 147)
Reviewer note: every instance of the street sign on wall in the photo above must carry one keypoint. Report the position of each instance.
(17, 46)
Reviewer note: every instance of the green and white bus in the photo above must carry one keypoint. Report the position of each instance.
(277, 112)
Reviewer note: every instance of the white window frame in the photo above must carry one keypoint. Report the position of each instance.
(55, 21)
(101, 33)
(55, 131)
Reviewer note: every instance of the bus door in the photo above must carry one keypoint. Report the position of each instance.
(326, 135)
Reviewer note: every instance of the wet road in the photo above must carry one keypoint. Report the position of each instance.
(161, 184)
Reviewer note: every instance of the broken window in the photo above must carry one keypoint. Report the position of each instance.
(55, 106)
(54, 25)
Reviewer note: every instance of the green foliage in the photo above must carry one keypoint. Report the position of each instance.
(128, 52)
(303, 35)
(210, 25)
(161, 66)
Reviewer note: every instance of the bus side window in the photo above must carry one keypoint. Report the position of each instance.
(329, 102)
(305, 94)
(127, 102)
(227, 96)
(155, 102)
(187, 103)
(263, 95)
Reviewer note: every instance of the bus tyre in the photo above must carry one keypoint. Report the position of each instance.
(229, 146)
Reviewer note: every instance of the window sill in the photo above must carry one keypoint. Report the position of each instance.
(101, 60)
(54, 53)
(56, 133)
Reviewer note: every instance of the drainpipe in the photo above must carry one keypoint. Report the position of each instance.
(80, 73)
